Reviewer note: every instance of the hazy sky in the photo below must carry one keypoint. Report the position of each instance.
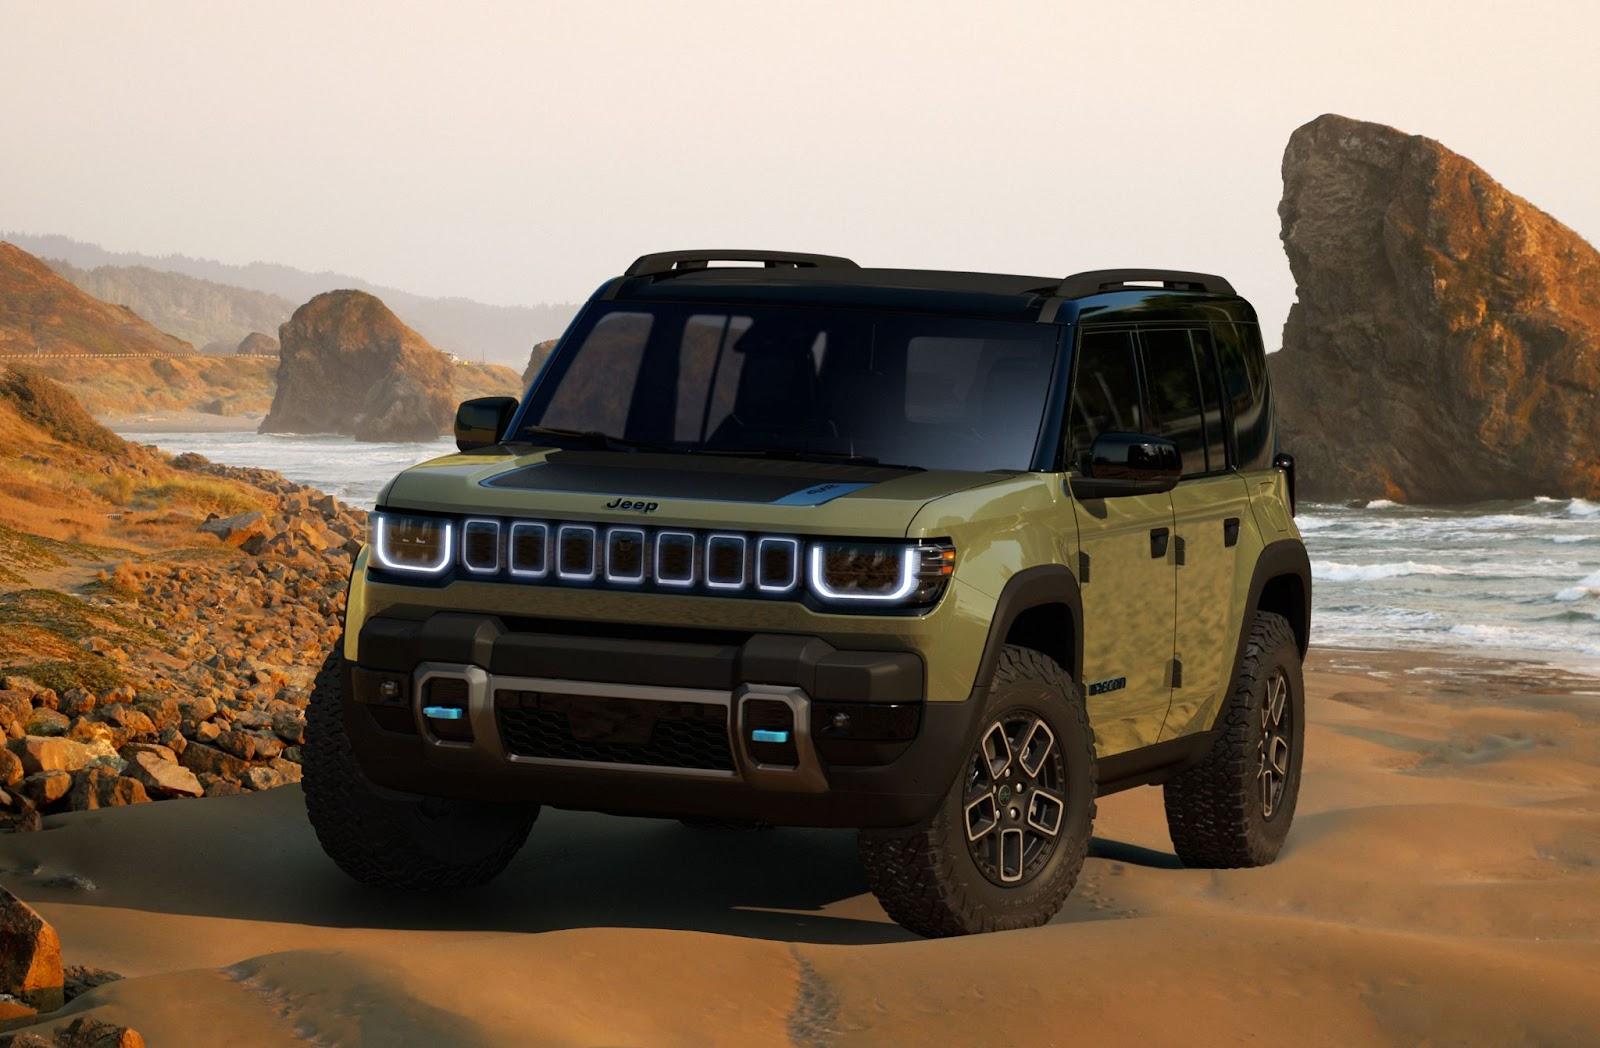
(526, 152)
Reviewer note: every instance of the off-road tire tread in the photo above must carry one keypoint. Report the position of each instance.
(1207, 806)
(913, 872)
(363, 846)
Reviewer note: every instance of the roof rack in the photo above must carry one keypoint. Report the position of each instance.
(1097, 280)
(664, 263)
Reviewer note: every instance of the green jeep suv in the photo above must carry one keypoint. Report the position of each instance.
(938, 556)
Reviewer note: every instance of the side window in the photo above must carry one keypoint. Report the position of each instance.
(1177, 410)
(1205, 363)
(1105, 392)
(599, 393)
(1244, 383)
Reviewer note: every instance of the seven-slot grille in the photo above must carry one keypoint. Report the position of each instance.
(627, 555)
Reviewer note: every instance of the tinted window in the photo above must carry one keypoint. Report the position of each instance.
(930, 391)
(1205, 363)
(1244, 381)
(1105, 393)
(1177, 411)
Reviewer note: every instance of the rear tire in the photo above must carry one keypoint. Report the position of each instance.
(388, 838)
(988, 859)
(1235, 807)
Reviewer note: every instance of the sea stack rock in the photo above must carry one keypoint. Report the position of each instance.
(256, 344)
(541, 353)
(346, 364)
(1445, 345)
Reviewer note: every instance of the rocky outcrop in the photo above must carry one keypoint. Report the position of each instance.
(256, 344)
(41, 313)
(541, 353)
(346, 364)
(1445, 345)
(30, 955)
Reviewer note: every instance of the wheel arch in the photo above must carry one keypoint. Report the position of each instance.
(1039, 608)
(1281, 584)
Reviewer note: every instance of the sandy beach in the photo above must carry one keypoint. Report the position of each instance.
(1441, 885)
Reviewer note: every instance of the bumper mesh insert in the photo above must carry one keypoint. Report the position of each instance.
(614, 730)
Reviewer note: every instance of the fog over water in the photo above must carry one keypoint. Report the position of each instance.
(1507, 578)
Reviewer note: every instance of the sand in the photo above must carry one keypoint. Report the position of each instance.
(1441, 885)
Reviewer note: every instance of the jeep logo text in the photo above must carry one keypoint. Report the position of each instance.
(636, 505)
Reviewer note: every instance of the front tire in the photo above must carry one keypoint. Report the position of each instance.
(1006, 845)
(387, 838)
(1234, 808)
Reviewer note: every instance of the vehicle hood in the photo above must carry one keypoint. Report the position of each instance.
(696, 491)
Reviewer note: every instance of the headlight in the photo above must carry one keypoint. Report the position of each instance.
(880, 572)
(421, 545)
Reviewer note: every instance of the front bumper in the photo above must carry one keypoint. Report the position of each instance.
(777, 728)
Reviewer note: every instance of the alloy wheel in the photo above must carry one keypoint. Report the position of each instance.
(1015, 799)
(1272, 767)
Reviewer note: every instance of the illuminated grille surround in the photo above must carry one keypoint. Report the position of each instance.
(669, 559)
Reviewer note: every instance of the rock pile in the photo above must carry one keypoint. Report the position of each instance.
(221, 653)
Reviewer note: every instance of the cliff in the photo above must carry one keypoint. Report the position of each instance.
(41, 313)
(347, 364)
(1445, 345)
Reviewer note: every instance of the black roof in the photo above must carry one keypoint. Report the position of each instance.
(825, 279)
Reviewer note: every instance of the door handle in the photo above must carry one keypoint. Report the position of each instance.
(1230, 531)
(1158, 542)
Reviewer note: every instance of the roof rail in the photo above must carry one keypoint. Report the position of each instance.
(1097, 280)
(663, 263)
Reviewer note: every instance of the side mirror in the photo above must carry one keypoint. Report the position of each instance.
(1128, 464)
(482, 422)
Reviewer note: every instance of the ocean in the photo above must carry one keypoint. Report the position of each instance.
(1505, 579)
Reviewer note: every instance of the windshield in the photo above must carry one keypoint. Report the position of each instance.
(898, 389)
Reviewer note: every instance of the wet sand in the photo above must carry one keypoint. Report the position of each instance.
(1441, 884)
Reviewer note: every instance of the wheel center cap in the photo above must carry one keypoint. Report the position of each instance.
(1005, 795)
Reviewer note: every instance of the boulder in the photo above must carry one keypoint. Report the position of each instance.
(45, 721)
(10, 768)
(79, 979)
(102, 788)
(44, 788)
(237, 529)
(257, 344)
(1445, 344)
(39, 753)
(347, 364)
(163, 777)
(30, 955)
(202, 759)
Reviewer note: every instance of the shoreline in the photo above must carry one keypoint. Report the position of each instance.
(1439, 884)
(179, 422)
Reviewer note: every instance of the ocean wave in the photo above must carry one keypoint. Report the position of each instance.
(1570, 539)
(1332, 571)
(1383, 504)
(1586, 589)
(1519, 638)
(1583, 508)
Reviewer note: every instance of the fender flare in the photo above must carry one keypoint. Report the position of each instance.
(1031, 588)
(1285, 557)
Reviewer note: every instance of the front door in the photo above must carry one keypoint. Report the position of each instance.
(1125, 563)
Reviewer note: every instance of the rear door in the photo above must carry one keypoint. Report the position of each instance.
(1209, 505)
(1125, 567)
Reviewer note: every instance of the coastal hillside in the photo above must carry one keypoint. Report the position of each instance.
(1445, 342)
(160, 618)
(42, 313)
(470, 330)
(204, 313)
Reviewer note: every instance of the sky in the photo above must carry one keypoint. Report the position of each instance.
(526, 152)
